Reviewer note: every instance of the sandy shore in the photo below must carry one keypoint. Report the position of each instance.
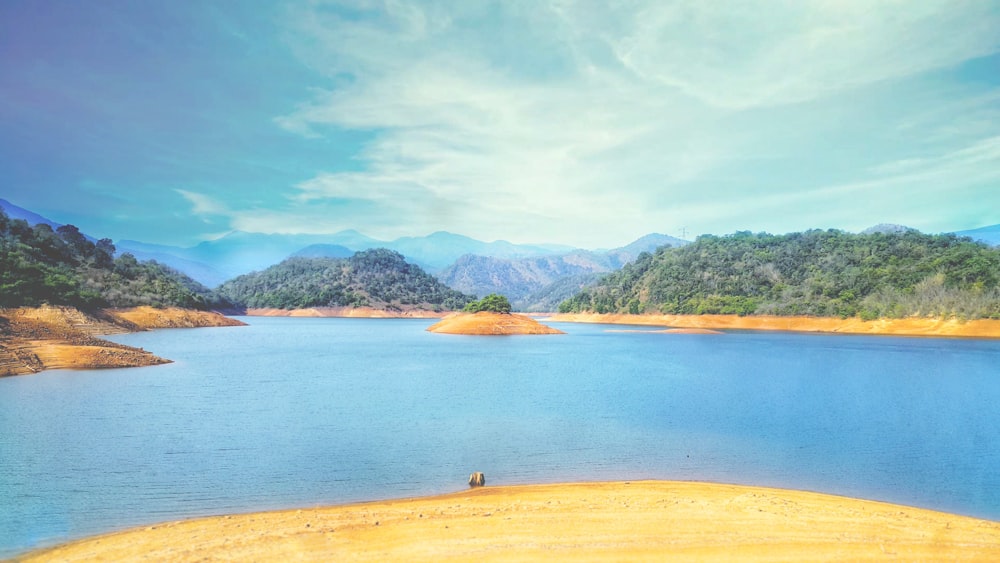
(490, 324)
(33, 339)
(149, 318)
(900, 327)
(641, 520)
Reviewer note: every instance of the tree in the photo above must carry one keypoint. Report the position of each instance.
(492, 303)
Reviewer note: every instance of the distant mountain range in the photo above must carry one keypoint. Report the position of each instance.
(534, 277)
(526, 281)
(990, 235)
(215, 261)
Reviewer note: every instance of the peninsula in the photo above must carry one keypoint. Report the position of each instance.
(33, 339)
(641, 520)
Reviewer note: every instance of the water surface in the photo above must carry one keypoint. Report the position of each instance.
(301, 412)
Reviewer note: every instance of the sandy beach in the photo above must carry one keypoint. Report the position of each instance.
(640, 520)
(984, 328)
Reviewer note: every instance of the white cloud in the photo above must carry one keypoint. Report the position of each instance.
(746, 54)
(578, 121)
(202, 204)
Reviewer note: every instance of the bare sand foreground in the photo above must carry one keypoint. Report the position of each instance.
(641, 520)
(902, 327)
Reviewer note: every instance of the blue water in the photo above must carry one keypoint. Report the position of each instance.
(303, 412)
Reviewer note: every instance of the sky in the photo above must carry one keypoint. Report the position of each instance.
(537, 121)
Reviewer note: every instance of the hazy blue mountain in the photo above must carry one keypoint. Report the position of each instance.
(438, 250)
(15, 212)
(524, 281)
(990, 235)
(212, 262)
(205, 274)
(215, 261)
(324, 251)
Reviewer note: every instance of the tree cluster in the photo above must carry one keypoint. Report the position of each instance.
(39, 265)
(377, 278)
(492, 303)
(817, 273)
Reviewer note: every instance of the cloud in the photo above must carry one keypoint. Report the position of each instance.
(586, 121)
(746, 54)
(202, 204)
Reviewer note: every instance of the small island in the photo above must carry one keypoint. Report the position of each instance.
(490, 316)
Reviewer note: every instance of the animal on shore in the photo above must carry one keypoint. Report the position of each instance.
(477, 479)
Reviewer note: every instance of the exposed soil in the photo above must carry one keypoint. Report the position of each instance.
(900, 327)
(171, 317)
(492, 324)
(637, 521)
(36, 339)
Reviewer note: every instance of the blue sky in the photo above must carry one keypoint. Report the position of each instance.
(532, 121)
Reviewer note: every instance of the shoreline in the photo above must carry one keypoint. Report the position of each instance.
(627, 520)
(485, 323)
(981, 328)
(35, 339)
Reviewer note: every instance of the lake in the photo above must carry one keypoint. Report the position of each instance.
(302, 412)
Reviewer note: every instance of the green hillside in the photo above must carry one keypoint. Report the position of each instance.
(377, 278)
(818, 273)
(40, 265)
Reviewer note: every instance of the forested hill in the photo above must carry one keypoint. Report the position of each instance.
(378, 278)
(819, 273)
(40, 265)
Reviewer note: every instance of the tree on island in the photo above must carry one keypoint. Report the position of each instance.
(492, 303)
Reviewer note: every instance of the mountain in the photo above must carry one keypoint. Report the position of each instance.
(438, 250)
(324, 251)
(377, 278)
(215, 261)
(548, 298)
(816, 273)
(15, 212)
(647, 243)
(990, 235)
(236, 253)
(524, 280)
(40, 265)
(886, 228)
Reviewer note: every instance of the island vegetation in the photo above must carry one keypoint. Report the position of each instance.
(377, 278)
(492, 303)
(814, 273)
